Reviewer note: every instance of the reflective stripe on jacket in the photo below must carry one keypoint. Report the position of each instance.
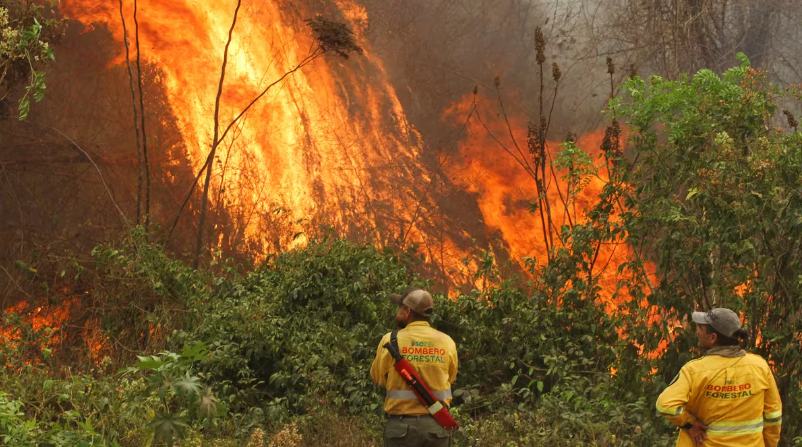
(432, 353)
(736, 397)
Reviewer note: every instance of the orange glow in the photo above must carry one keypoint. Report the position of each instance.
(504, 189)
(96, 340)
(54, 318)
(39, 318)
(303, 151)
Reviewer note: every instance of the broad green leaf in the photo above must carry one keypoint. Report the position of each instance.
(167, 427)
(187, 386)
(207, 406)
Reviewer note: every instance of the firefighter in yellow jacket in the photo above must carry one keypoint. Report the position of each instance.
(433, 354)
(728, 397)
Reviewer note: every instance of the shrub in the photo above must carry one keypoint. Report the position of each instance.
(304, 324)
(715, 201)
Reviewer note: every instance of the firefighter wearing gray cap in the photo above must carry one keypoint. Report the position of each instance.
(433, 354)
(728, 397)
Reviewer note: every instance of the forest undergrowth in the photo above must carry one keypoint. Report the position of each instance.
(280, 356)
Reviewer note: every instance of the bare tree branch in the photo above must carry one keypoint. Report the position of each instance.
(100, 174)
(144, 135)
(414, 219)
(309, 58)
(215, 140)
(136, 122)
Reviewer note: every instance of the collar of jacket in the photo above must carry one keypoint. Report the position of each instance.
(727, 351)
(417, 323)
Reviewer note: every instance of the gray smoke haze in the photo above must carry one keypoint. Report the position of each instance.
(437, 50)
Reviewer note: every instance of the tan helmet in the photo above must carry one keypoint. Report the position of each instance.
(417, 299)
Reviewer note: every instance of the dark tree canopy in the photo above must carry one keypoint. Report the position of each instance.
(334, 36)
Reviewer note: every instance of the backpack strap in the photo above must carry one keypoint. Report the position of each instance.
(394, 340)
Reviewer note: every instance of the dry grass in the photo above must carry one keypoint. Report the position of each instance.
(328, 429)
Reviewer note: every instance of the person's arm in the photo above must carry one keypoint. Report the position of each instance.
(452, 366)
(772, 413)
(379, 369)
(672, 401)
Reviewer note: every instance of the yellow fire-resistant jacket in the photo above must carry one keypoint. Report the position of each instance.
(733, 393)
(432, 353)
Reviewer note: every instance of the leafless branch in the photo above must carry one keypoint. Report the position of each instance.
(309, 58)
(99, 173)
(405, 234)
(136, 122)
(215, 140)
(144, 135)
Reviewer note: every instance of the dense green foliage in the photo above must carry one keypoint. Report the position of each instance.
(714, 201)
(304, 328)
(302, 325)
(297, 336)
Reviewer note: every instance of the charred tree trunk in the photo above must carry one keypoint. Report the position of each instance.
(140, 166)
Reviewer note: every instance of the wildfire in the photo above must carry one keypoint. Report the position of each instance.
(505, 191)
(38, 317)
(48, 331)
(331, 144)
(303, 150)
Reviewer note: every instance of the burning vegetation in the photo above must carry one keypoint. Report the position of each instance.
(231, 203)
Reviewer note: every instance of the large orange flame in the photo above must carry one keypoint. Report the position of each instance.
(332, 143)
(504, 190)
(328, 144)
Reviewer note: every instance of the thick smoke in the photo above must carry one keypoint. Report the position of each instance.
(437, 50)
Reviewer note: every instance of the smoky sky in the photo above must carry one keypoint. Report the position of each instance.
(436, 51)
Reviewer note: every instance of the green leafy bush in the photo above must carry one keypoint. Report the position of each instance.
(301, 332)
(183, 397)
(715, 199)
(304, 325)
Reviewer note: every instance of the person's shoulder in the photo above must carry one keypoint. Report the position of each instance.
(756, 360)
(444, 336)
(385, 338)
(696, 364)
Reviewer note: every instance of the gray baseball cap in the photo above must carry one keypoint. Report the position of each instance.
(723, 320)
(417, 299)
